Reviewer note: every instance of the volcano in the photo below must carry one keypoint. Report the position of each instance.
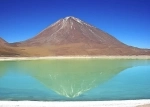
(72, 36)
(72, 30)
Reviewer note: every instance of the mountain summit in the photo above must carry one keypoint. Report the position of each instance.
(72, 36)
(72, 30)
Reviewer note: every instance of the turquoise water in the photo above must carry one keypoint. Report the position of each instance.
(75, 80)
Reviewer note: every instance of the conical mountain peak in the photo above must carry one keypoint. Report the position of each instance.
(69, 17)
(74, 18)
(72, 30)
(72, 36)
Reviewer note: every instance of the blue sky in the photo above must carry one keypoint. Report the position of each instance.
(127, 20)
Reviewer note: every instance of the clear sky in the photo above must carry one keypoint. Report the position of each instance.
(127, 20)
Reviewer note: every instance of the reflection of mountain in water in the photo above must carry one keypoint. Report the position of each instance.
(71, 78)
(3, 67)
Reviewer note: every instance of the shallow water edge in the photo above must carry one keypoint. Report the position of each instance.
(75, 57)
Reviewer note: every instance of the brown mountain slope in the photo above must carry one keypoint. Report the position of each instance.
(71, 30)
(7, 50)
(71, 36)
(2, 42)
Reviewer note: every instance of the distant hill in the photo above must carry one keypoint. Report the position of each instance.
(7, 50)
(2, 42)
(72, 36)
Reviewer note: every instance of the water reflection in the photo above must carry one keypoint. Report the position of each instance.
(71, 78)
(3, 68)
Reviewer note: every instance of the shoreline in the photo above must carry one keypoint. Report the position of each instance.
(121, 103)
(74, 57)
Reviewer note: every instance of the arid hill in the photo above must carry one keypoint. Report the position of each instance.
(3, 47)
(7, 50)
(72, 36)
(2, 42)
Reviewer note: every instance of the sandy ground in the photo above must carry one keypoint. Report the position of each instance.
(123, 103)
(74, 57)
(145, 105)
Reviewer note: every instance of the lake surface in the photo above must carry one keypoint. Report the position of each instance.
(75, 80)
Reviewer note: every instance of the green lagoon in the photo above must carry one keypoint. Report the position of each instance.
(75, 80)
